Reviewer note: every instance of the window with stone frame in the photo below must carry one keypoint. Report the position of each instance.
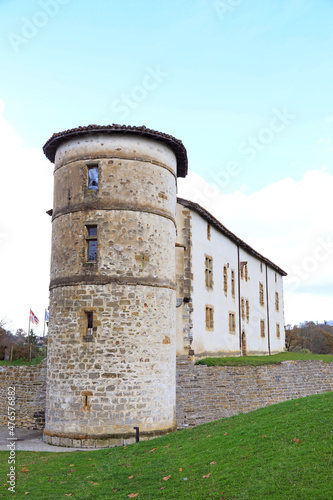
(277, 330)
(208, 272)
(91, 242)
(209, 318)
(232, 322)
(93, 176)
(243, 307)
(89, 327)
(243, 271)
(261, 294)
(233, 283)
(225, 280)
(208, 231)
(246, 272)
(277, 301)
(262, 328)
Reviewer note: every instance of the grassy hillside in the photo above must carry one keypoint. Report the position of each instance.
(280, 452)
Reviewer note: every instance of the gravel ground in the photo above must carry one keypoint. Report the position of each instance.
(30, 440)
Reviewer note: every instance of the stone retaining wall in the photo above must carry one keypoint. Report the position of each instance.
(30, 389)
(207, 393)
(203, 393)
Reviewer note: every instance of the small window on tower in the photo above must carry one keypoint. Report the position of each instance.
(91, 239)
(208, 232)
(90, 322)
(89, 326)
(93, 177)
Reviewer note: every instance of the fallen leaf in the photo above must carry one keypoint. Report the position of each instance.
(204, 477)
(209, 436)
(264, 436)
(212, 463)
(131, 477)
(167, 446)
(296, 440)
(95, 484)
(154, 449)
(163, 488)
(166, 478)
(225, 433)
(180, 470)
(71, 465)
(24, 469)
(133, 495)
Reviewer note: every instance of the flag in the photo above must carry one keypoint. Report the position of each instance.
(46, 316)
(33, 318)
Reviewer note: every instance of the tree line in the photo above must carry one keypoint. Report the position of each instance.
(309, 336)
(19, 345)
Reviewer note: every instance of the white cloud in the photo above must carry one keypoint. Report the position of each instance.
(288, 222)
(25, 229)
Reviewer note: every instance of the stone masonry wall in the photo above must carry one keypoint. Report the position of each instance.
(207, 393)
(203, 393)
(30, 388)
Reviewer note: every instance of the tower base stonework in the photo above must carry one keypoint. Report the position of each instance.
(111, 381)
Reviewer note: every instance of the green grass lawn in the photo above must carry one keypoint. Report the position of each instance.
(22, 362)
(283, 451)
(264, 360)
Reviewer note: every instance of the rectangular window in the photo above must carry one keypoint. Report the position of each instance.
(91, 239)
(244, 271)
(243, 307)
(225, 280)
(209, 272)
(277, 330)
(233, 283)
(261, 267)
(261, 294)
(247, 305)
(232, 322)
(93, 177)
(209, 318)
(208, 232)
(277, 302)
(275, 278)
(89, 326)
(262, 328)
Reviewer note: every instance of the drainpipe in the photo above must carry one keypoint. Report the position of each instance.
(239, 304)
(268, 331)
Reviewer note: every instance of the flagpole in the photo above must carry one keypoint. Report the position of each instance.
(29, 327)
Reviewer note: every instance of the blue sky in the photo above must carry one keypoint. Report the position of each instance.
(245, 84)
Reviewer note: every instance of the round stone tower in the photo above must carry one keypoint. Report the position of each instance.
(112, 326)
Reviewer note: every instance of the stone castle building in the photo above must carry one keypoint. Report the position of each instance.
(138, 277)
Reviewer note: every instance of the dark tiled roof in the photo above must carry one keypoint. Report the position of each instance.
(50, 147)
(215, 223)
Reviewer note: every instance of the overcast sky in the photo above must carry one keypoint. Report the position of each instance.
(245, 84)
